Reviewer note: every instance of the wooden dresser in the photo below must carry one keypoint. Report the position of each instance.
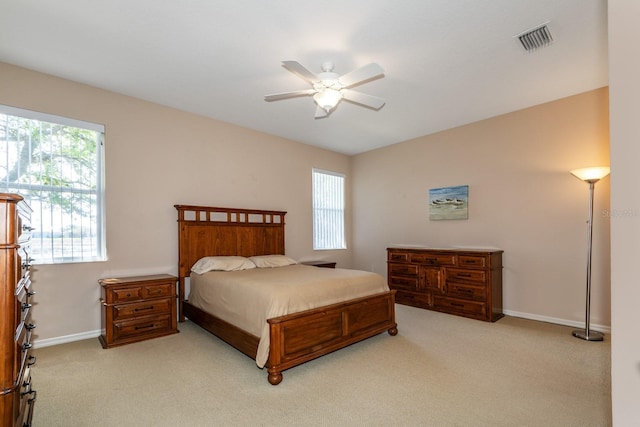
(17, 397)
(138, 308)
(462, 282)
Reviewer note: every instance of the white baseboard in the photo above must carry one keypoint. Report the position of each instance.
(565, 322)
(66, 339)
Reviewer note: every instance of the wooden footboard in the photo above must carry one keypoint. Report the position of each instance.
(300, 337)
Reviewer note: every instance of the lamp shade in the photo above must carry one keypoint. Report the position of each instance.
(592, 174)
(327, 98)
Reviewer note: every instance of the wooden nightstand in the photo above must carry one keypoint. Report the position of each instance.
(325, 264)
(137, 308)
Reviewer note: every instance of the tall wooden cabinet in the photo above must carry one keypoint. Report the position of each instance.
(462, 282)
(17, 397)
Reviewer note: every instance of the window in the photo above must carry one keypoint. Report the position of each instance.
(328, 210)
(56, 164)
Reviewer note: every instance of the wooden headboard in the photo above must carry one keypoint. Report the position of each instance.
(210, 231)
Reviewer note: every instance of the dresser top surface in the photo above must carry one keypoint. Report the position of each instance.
(456, 250)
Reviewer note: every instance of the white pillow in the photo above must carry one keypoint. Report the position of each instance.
(222, 263)
(263, 261)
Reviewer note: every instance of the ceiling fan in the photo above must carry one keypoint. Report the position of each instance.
(328, 88)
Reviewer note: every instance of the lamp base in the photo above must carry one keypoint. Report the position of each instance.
(590, 336)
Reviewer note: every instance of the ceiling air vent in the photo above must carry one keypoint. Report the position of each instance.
(536, 38)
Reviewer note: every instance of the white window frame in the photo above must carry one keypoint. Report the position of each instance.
(328, 198)
(45, 214)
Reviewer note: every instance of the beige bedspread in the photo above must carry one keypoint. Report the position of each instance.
(248, 298)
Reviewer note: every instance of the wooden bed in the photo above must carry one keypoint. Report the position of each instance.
(295, 338)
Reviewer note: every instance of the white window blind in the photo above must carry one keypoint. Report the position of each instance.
(328, 210)
(56, 164)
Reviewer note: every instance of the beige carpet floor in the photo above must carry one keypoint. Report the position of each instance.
(440, 370)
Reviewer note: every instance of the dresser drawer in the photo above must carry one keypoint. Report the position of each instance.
(27, 397)
(400, 282)
(398, 256)
(138, 327)
(403, 269)
(434, 259)
(457, 274)
(414, 299)
(463, 290)
(143, 308)
(467, 307)
(472, 261)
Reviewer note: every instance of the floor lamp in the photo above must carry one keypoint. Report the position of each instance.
(590, 176)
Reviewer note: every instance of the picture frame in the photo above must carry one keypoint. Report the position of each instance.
(449, 203)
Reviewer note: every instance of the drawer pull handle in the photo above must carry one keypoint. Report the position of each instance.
(464, 291)
(32, 360)
(26, 385)
(24, 393)
(464, 275)
(26, 346)
(455, 304)
(143, 309)
(30, 326)
(27, 228)
(31, 293)
(26, 306)
(145, 327)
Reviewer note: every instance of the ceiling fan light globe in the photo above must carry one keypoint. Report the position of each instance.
(327, 99)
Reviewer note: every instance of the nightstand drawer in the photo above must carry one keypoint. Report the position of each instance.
(136, 293)
(143, 308)
(125, 294)
(159, 290)
(138, 327)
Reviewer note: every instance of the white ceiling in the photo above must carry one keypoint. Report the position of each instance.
(447, 62)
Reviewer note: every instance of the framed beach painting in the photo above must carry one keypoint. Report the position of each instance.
(449, 203)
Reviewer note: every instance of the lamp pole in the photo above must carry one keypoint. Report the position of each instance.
(587, 334)
(590, 176)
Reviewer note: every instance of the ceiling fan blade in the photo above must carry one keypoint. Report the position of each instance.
(286, 95)
(363, 99)
(298, 69)
(360, 75)
(320, 113)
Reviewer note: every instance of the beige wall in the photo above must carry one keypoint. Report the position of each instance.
(624, 69)
(522, 199)
(157, 157)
